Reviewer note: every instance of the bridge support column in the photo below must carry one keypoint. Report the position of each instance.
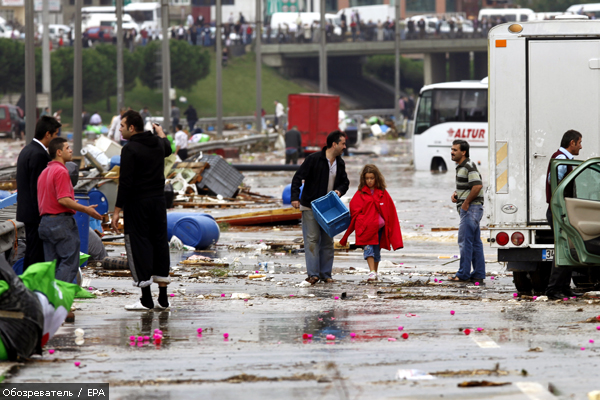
(435, 68)
(480, 63)
(459, 68)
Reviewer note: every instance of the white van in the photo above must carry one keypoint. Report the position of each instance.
(369, 13)
(510, 14)
(280, 18)
(107, 19)
(146, 15)
(592, 8)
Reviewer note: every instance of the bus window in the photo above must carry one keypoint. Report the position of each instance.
(446, 104)
(423, 120)
(473, 106)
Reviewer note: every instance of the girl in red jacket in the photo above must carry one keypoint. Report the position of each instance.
(374, 218)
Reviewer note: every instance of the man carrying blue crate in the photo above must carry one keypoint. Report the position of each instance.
(322, 172)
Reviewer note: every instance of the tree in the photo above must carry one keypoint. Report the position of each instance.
(131, 67)
(189, 64)
(411, 71)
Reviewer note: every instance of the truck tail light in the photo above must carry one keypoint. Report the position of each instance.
(517, 238)
(502, 238)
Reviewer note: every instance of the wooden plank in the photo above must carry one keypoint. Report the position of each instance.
(262, 217)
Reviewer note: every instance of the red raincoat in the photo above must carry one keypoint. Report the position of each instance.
(365, 209)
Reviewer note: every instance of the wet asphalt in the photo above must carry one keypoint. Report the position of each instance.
(265, 355)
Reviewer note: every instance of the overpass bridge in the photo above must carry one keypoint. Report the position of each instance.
(346, 58)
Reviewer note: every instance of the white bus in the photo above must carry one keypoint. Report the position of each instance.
(587, 9)
(449, 111)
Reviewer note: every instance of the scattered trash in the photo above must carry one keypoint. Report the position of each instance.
(405, 335)
(467, 331)
(413, 374)
(535, 350)
(77, 363)
(258, 276)
(330, 337)
(400, 328)
(452, 312)
(352, 335)
(226, 335)
(51, 351)
(594, 395)
(391, 339)
(240, 296)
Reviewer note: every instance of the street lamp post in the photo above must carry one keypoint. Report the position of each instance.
(219, 56)
(77, 82)
(323, 51)
(30, 96)
(258, 33)
(166, 66)
(397, 67)
(120, 73)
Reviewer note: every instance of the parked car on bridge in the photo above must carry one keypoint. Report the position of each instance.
(10, 120)
(93, 34)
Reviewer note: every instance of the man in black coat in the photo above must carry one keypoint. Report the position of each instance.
(322, 173)
(32, 160)
(141, 196)
(192, 117)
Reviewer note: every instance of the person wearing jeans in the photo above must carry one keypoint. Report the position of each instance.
(322, 172)
(469, 202)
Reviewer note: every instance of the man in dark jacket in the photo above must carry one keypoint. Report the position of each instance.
(321, 172)
(33, 159)
(192, 116)
(141, 197)
(293, 145)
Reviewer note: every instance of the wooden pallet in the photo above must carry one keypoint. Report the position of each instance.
(262, 217)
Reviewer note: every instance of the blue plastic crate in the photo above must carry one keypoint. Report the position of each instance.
(331, 214)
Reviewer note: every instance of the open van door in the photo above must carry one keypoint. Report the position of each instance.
(575, 208)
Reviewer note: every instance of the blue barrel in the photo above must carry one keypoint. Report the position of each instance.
(98, 198)
(114, 160)
(198, 231)
(287, 193)
(83, 223)
(174, 217)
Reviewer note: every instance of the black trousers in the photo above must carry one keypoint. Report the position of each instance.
(183, 154)
(34, 252)
(560, 278)
(146, 240)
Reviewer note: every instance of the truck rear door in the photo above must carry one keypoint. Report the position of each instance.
(563, 80)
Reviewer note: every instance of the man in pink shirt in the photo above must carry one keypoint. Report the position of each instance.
(56, 198)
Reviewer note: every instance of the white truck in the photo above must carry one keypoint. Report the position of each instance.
(544, 79)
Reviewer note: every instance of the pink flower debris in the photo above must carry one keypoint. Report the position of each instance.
(479, 329)
(157, 331)
(336, 298)
(146, 338)
(330, 337)
(226, 335)
(256, 272)
(391, 339)
(291, 295)
(451, 312)
(140, 338)
(534, 298)
(51, 351)
(199, 330)
(566, 299)
(591, 341)
(598, 328)
(132, 343)
(157, 336)
(172, 294)
(435, 280)
(90, 288)
(320, 319)
(492, 278)
(305, 336)
(245, 300)
(476, 283)
(132, 338)
(574, 297)
(157, 341)
(411, 315)
(515, 294)
(583, 348)
(400, 328)
(222, 294)
(405, 335)
(310, 336)
(467, 331)
(352, 334)
(77, 363)
(332, 318)
(440, 281)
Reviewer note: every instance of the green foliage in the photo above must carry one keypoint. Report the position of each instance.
(12, 67)
(189, 64)
(382, 67)
(131, 63)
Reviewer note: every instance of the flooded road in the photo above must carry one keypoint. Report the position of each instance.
(331, 341)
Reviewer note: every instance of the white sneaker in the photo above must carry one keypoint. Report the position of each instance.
(138, 306)
(372, 276)
(158, 307)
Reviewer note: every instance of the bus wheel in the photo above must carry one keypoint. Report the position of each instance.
(438, 165)
(522, 282)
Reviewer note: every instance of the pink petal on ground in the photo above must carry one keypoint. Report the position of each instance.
(77, 363)
(400, 328)
(330, 337)
(51, 351)
(226, 335)
(391, 339)
(352, 334)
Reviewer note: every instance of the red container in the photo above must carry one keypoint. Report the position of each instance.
(315, 115)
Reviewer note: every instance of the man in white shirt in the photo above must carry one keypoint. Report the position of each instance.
(181, 141)
(113, 131)
(279, 112)
(96, 119)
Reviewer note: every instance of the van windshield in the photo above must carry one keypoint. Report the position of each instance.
(450, 105)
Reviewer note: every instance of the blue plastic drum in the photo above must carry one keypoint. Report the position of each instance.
(98, 198)
(198, 231)
(83, 223)
(174, 217)
(287, 194)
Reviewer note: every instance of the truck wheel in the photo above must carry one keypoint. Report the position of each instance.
(540, 277)
(522, 282)
(438, 165)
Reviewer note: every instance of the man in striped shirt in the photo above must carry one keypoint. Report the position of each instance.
(469, 202)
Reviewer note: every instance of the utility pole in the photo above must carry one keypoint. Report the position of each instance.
(120, 73)
(166, 66)
(30, 96)
(218, 56)
(323, 51)
(397, 67)
(77, 82)
(258, 31)
(46, 77)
